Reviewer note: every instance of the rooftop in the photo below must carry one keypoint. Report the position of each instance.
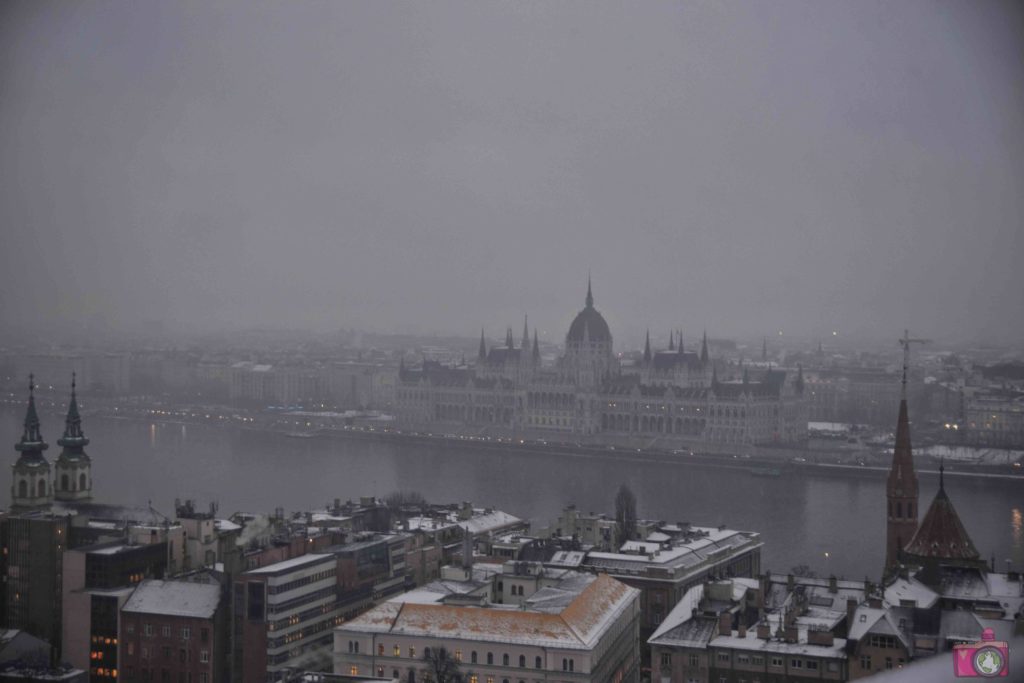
(175, 598)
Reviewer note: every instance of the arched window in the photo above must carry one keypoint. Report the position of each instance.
(572, 663)
(472, 657)
(899, 509)
(64, 486)
(504, 659)
(380, 652)
(537, 663)
(81, 481)
(42, 488)
(426, 652)
(22, 489)
(522, 661)
(490, 658)
(565, 664)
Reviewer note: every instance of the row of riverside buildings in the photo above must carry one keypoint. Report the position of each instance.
(672, 399)
(368, 590)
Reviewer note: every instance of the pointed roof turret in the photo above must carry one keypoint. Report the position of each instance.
(746, 376)
(941, 534)
(764, 348)
(526, 334)
(680, 342)
(704, 348)
(799, 384)
(671, 340)
(536, 347)
(481, 353)
(647, 348)
(508, 339)
(590, 294)
(714, 377)
(32, 437)
(73, 437)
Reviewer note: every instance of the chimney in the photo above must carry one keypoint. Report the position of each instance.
(742, 630)
(790, 581)
(851, 607)
(833, 584)
(790, 634)
(467, 550)
(725, 624)
(820, 637)
(764, 631)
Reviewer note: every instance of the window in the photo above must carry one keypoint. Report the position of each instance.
(147, 629)
(165, 631)
(504, 659)
(397, 651)
(203, 678)
(537, 664)
(353, 670)
(723, 657)
(757, 660)
(473, 678)
(412, 653)
(130, 627)
(186, 632)
(833, 667)
(472, 657)
(694, 660)
(865, 661)
(572, 664)
(777, 661)
(380, 650)
(565, 664)
(458, 655)
(666, 660)
(357, 647)
(796, 663)
(490, 658)
(742, 659)
(812, 665)
(204, 656)
(888, 662)
(522, 661)
(426, 652)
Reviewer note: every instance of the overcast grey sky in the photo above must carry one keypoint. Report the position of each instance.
(744, 167)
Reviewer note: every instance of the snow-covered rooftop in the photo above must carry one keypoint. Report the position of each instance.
(174, 598)
(577, 626)
(293, 563)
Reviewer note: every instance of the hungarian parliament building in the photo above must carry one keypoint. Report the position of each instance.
(670, 399)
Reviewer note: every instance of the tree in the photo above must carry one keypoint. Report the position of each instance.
(625, 515)
(441, 666)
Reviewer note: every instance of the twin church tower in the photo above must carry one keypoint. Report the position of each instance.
(33, 485)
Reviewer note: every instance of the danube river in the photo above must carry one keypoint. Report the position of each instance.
(834, 524)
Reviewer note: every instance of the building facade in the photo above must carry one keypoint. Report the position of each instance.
(672, 399)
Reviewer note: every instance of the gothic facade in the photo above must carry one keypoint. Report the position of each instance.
(671, 399)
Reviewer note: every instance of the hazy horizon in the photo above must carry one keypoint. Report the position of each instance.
(438, 168)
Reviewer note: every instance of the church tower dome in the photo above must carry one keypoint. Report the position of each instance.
(73, 469)
(30, 480)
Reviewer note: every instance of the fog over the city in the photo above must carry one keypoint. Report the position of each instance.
(438, 167)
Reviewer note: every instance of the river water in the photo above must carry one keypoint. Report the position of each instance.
(833, 524)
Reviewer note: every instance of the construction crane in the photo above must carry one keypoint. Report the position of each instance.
(905, 342)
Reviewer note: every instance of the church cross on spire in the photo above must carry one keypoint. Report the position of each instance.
(31, 437)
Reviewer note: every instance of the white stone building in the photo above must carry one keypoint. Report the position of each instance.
(582, 628)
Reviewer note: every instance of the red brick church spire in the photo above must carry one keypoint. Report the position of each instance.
(901, 487)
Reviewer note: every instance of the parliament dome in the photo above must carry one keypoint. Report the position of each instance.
(590, 320)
